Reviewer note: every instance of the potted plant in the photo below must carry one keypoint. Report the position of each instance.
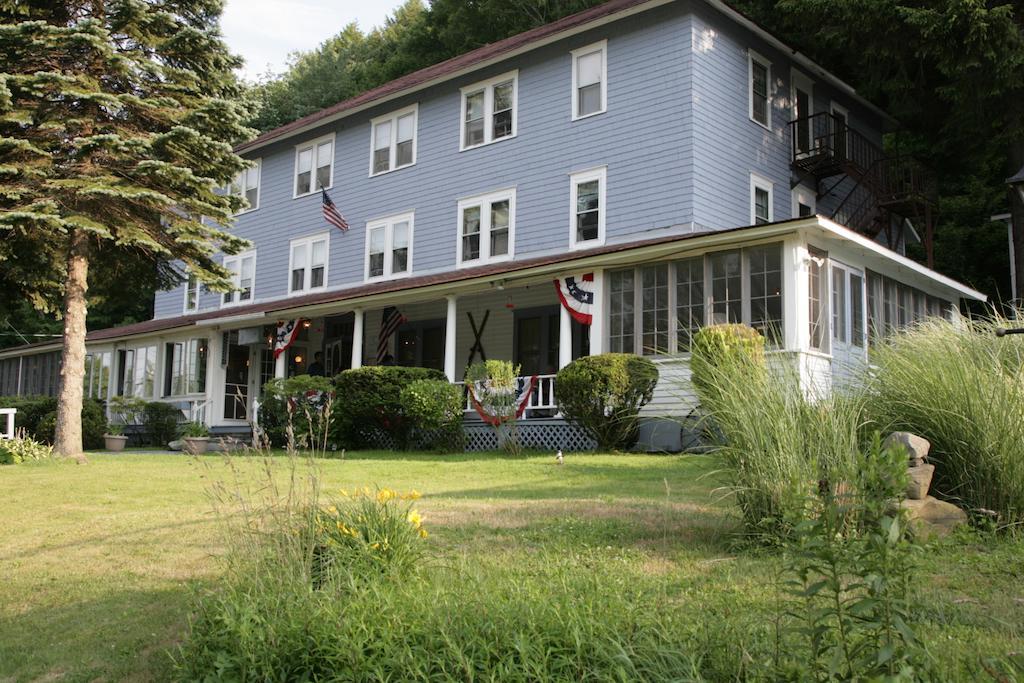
(196, 437)
(114, 438)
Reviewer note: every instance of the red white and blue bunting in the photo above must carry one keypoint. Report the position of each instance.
(524, 389)
(286, 334)
(576, 292)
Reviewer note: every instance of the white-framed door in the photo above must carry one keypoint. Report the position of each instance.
(848, 323)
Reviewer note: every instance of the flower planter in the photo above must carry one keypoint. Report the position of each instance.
(196, 445)
(115, 442)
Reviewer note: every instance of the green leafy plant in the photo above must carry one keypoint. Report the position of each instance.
(160, 423)
(721, 345)
(114, 429)
(127, 409)
(94, 425)
(23, 449)
(369, 403)
(297, 412)
(849, 572)
(603, 395)
(493, 385)
(962, 388)
(436, 408)
(194, 430)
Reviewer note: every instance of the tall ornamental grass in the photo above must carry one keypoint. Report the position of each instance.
(776, 445)
(961, 387)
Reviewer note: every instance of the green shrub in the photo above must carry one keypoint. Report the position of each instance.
(31, 409)
(962, 388)
(160, 423)
(94, 425)
(723, 344)
(368, 401)
(309, 396)
(436, 409)
(603, 395)
(775, 443)
(22, 449)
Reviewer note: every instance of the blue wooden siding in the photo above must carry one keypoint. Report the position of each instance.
(676, 139)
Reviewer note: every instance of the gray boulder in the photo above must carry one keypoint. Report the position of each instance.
(915, 446)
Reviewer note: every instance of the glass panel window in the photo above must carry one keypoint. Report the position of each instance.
(389, 247)
(191, 294)
(394, 141)
(726, 287)
(856, 309)
(486, 228)
(839, 304)
(489, 110)
(817, 300)
(185, 367)
(247, 185)
(689, 300)
(308, 269)
(314, 166)
(654, 300)
(243, 269)
(620, 311)
(760, 76)
(588, 90)
(588, 207)
(766, 292)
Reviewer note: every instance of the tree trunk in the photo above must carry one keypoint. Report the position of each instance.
(68, 435)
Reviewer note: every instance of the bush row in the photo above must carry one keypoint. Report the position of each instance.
(37, 415)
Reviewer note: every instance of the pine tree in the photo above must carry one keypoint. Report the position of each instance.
(117, 119)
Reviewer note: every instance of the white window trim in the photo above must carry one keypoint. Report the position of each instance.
(488, 88)
(599, 174)
(393, 118)
(485, 235)
(800, 80)
(199, 289)
(601, 45)
(388, 223)
(760, 182)
(803, 195)
(753, 56)
(307, 278)
(312, 182)
(259, 187)
(235, 301)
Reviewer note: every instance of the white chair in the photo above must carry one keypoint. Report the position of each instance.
(8, 432)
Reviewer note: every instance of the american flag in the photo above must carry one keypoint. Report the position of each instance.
(332, 215)
(390, 321)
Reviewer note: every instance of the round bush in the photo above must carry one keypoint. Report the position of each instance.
(368, 402)
(435, 408)
(718, 346)
(603, 395)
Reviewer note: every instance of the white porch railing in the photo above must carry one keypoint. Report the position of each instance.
(541, 398)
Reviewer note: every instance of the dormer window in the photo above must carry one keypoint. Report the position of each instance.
(314, 166)
(247, 186)
(489, 110)
(393, 141)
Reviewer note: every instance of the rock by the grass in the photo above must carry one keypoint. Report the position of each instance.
(916, 447)
(920, 480)
(176, 445)
(931, 517)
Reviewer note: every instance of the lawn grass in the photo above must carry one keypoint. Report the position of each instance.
(99, 563)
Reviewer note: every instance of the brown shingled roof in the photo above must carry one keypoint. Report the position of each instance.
(448, 67)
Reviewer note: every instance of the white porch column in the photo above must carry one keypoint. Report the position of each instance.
(600, 314)
(450, 330)
(564, 337)
(281, 365)
(357, 338)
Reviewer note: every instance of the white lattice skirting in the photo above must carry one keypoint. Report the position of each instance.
(550, 434)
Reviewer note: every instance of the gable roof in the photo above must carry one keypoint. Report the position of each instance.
(613, 10)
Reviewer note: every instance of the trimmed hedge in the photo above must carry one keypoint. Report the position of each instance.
(160, 423)
(435, 408)
(37, 415)
(368, 401)
(603, 395)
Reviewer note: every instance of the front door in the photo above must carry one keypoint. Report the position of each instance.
(849, 333)
(236, 378)
(535, 344)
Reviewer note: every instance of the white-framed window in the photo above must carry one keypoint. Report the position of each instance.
(656, 308)
(817, 299)
(759, 86)
(393, 140)
(587, 207)
(801, 100)
(137, 372)
(389, 247)
(247, 186)
(805, 202)
(762, 208)
(307, 263)
(589, 80)
(191, 293)
(243, 269)
(838, 132)
(185, 367)
(486, 228)
(96, 380)
(314, 166)
(489, 110)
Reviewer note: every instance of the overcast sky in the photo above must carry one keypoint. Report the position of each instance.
(264, 32)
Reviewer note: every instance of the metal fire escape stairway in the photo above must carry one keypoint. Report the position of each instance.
(877, 192)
